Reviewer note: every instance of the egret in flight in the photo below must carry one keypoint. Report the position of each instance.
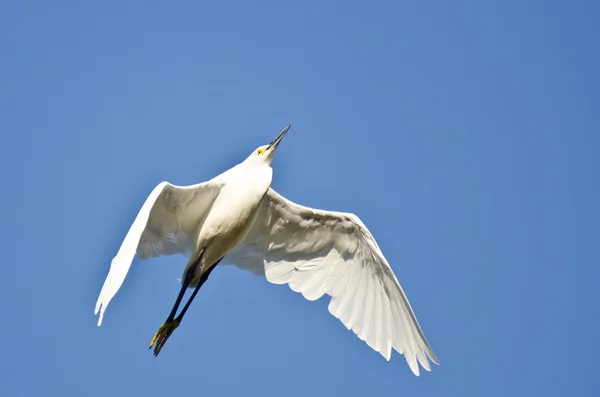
(238, 218)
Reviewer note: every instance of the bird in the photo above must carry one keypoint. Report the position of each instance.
(236, 217)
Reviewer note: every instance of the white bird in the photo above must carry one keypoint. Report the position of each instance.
(236, 216)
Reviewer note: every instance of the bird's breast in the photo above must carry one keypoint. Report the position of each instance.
(229, 220)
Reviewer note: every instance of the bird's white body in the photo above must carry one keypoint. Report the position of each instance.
(238, 217)
(232, 214)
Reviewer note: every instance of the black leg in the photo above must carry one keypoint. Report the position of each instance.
(165, 330)
(172, 323)
(186, 282)
(202, 280)
(184, 285)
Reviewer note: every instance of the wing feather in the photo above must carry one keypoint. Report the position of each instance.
(358, 304)
(317, 252)
(369, 311)
(164, 226)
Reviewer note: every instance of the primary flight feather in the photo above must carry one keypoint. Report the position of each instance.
(236, 217)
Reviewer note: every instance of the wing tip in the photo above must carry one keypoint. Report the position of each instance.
(431, 355)
(414, 365)
(415, 370)
(100, 307)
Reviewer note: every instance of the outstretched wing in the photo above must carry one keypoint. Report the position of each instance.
(318, 252)
(165, 225)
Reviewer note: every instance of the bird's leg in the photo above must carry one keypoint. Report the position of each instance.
(203, 279)
(165, 330)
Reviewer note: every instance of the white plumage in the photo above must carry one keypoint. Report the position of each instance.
(315, 252)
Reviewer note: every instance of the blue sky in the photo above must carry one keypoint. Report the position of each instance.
(464, 134)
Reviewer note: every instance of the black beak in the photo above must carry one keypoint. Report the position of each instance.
(276, 141)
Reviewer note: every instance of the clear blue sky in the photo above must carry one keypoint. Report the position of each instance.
(465, 134)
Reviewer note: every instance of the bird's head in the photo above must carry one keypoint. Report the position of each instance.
(264, 154)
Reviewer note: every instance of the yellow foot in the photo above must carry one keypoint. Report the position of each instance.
(162, 335)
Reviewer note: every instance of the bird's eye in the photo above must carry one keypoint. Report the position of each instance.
(261, 151)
